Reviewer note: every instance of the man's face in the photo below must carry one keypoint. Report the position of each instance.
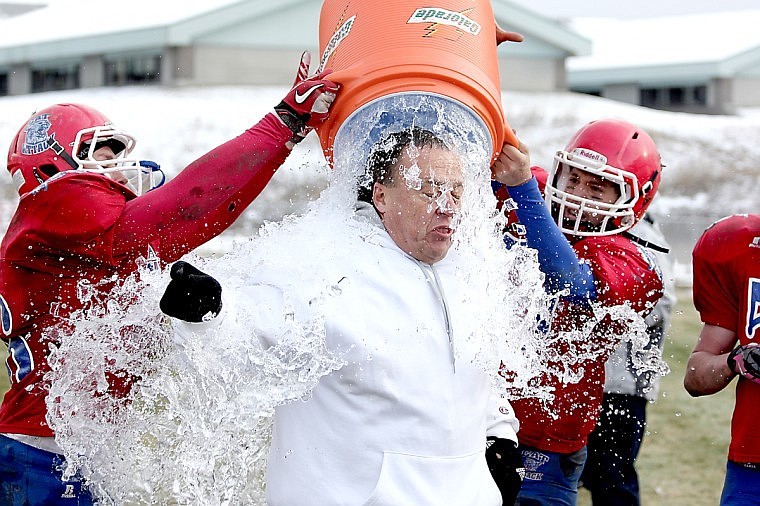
(103, 153)
(420, 205)
(592, 187)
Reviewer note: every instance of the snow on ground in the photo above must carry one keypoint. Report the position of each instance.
(711, 161)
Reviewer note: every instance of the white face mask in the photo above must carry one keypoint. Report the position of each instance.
(608, 218)
(140, 176)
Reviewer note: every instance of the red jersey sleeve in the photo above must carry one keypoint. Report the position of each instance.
(206, 197)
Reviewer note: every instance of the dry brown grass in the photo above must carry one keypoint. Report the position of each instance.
(683, 457)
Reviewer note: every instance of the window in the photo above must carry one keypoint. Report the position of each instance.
(63, 77)
(699, 95)
(648, 97)
(673, 97)
(676, 96)
(133, 70)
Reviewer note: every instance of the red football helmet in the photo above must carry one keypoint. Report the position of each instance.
(65, 137)
(615, 151)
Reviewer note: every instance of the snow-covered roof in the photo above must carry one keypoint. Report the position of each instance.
(672, 40)
(82, 18)
(67, 30)
(8, 9)
(64, 19)
(537, 27)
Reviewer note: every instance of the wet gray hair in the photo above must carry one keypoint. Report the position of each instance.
(382, 163)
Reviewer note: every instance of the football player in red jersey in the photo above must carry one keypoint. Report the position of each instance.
(89, 213)
(726, 262)
(599, 187)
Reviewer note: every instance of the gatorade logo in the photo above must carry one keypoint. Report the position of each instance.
(445, 17)
(340, 34)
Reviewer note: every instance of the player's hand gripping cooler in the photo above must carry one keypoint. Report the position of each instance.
(307, 103)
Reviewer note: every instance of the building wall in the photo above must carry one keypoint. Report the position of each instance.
(540, 74)
(277, 66)
(182, 70)
(746, 92)
(92, 72)
(224, 65)
(720, 95)
(20, 80)
(220, 65)
(629, 93)
(716, 96)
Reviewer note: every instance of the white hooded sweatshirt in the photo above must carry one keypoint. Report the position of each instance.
(405, 421)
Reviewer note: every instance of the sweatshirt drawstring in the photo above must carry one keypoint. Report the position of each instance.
(435, 283)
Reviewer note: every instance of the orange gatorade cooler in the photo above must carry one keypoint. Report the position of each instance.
(409, 61)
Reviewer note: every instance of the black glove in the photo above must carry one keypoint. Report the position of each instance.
(192, 295)
(307, 104)
(745, 360)
(506, 466)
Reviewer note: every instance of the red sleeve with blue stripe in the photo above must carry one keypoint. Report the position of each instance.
(556, 257)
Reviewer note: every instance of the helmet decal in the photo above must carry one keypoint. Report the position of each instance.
(589, 157)
(18, 179)
(36, 135)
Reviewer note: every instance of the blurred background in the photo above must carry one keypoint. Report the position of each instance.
(185, 76)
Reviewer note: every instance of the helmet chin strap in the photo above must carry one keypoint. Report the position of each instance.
(56, 147)
(588, 227)
(646, 244)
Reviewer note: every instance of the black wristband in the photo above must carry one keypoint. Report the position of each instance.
(294, 121)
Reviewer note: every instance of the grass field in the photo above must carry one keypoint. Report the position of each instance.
(682, 461)
(683, 457)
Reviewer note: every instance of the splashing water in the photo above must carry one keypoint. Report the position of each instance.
(195, 428)
(196, 424)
